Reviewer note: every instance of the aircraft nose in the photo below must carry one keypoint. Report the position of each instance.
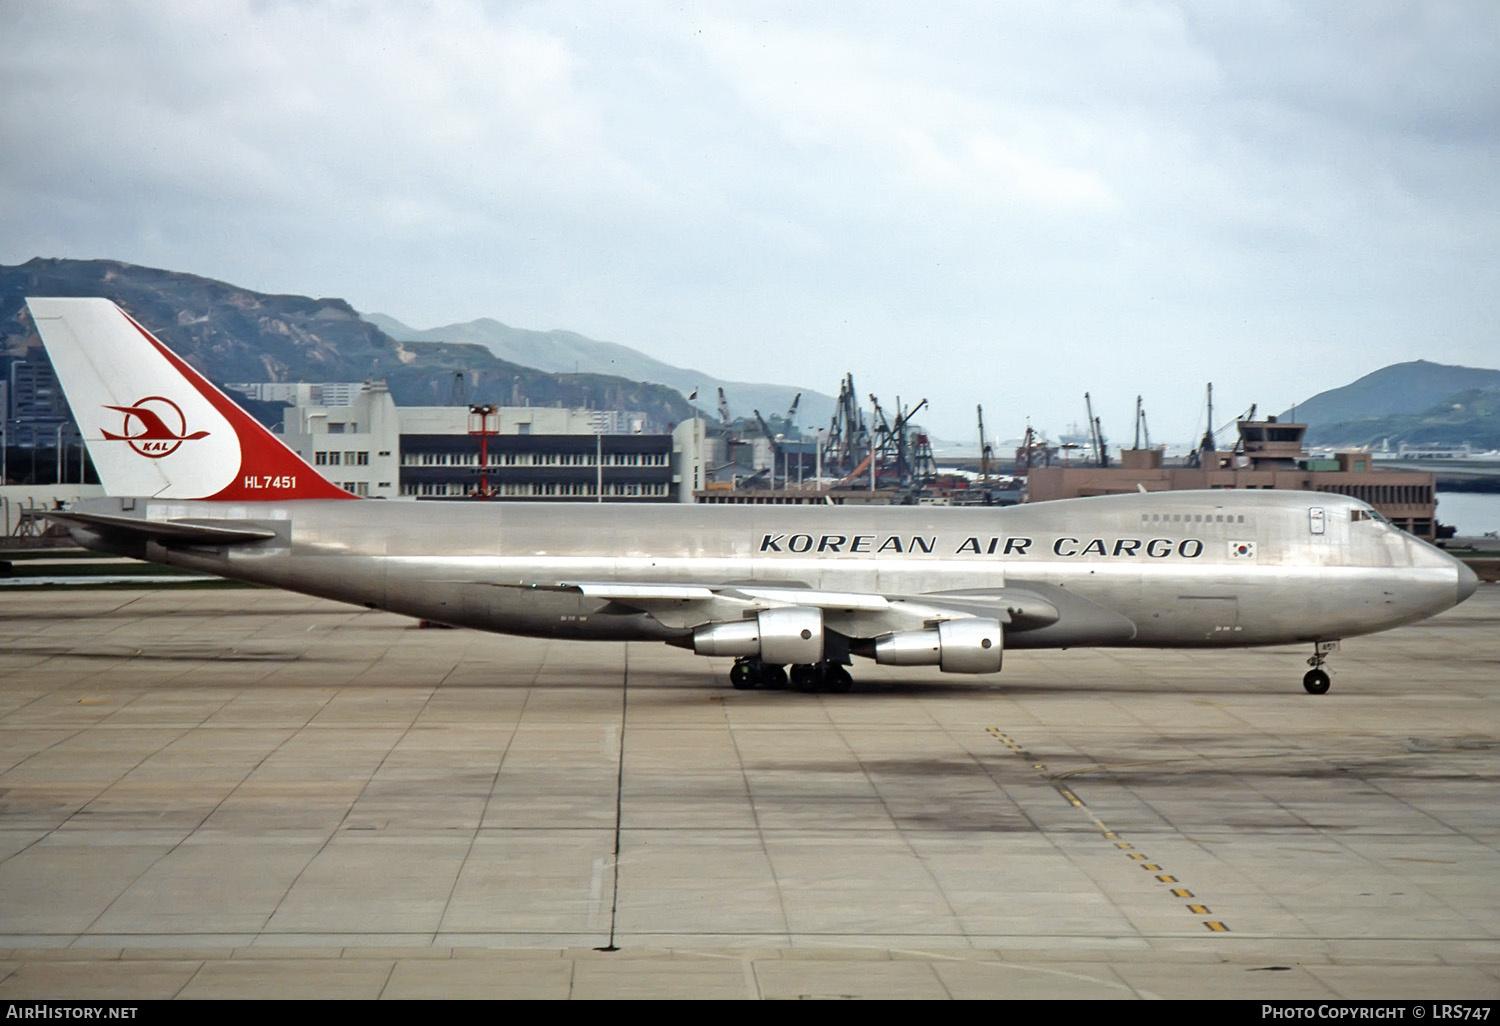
(1468, 581)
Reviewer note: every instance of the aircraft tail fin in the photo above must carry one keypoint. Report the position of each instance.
(153, 425)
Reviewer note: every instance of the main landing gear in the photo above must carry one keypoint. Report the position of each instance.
(824, 676)
(750, 673)
(1316, 680)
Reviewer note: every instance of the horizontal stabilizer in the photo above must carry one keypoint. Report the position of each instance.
(189, 532)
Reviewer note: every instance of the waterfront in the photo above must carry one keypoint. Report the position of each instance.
(1472, 513)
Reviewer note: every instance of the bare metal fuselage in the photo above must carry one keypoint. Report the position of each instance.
(1166, 570)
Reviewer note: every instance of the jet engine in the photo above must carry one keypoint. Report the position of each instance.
(972, 645)
(777, 636)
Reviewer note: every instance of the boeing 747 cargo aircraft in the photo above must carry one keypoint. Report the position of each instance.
(195, 482)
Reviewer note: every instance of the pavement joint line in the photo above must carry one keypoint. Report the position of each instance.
(1125, 847)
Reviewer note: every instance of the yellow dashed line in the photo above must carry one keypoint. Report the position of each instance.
(1110, 835)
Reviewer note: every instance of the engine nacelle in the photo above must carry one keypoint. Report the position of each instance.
(973, 645)
(791, 635)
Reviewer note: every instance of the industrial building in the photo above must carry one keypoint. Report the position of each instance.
(372, 447)
(1270, 454)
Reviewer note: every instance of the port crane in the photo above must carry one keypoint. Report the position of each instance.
(1096, 434)
(985, 452)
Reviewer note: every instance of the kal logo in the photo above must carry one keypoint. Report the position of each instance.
(162, 427)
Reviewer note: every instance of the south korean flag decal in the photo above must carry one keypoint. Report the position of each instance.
(1242, 550)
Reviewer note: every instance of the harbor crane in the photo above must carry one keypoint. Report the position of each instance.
(1096, 434)
(985, 451)
(1141, 430)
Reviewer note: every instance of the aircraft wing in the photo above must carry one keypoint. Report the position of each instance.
(853, 614)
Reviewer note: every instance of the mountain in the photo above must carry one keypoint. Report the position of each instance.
(234, 334)
(1400, 388)
(564, 351)
(1419, 403)
(1470, 417)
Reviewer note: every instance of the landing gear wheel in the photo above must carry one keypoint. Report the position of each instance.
(743, 676)
(749, 673)
(1316, 681)
(807, 676)
(837, 679)
(824, 676)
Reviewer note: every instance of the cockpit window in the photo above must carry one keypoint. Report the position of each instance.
(1356, 515)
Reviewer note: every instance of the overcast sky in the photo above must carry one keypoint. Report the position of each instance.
(1005, 203)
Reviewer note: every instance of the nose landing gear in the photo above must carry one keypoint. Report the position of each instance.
(1316, 681)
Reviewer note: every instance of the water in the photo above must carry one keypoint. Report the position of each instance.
(1473, 513)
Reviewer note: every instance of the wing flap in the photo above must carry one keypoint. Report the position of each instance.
(853, 614)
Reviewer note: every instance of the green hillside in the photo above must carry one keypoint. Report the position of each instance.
(1409, 387)
(234, 334)
(1471, 417)
(1417, 403)
(563, 351)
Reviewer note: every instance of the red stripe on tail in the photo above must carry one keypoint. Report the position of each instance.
(269, 471)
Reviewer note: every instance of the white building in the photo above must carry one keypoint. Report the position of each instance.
(356, 445)
(373, 447)
(302, 393)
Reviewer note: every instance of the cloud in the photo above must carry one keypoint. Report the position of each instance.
(1000, 204)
